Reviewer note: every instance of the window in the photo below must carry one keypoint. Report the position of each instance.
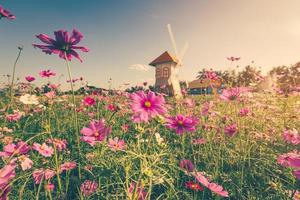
(166, 72)
(158, 73)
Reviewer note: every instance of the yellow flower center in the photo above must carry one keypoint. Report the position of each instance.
(148, 104)
(180, 122)
(96, 134)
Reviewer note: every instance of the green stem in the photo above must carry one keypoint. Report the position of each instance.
(13, 76)
(75, 113)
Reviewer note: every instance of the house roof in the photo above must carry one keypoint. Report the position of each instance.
(204, 83)
(163, 58)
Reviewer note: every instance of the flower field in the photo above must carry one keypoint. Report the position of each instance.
(238, 144)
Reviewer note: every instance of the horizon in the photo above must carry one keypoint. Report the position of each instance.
(124, 37)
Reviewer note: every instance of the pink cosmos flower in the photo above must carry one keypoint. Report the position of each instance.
(51, 94)
(284, 159)
(63, 45)
(218, 189)
(88, 187)
(26, 162)
(7, 173)
(231, 94)
(181, 123)
(16, 116)
(29, 78)
(111, 107)
(231, 130)
(193, 186)
(67, 166)
(47, 73)
(291, 136)
(294, 161)
(140, 193)
(189, 102)
(40, 174)
(58, 143)
(15, 149)
(212, 186)
(244, 112)
(187, 165)
(43, 149)
(116, 144)
(211, 75)
(296, 195)
(146, 106)
(89, 101)
(6, 14)
(95, 133)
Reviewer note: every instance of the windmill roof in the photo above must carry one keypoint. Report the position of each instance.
(163, 58)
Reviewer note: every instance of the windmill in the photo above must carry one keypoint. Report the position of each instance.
(167, 66)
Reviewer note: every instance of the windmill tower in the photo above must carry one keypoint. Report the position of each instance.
(166, 69)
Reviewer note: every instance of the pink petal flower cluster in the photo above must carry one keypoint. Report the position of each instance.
(211, 75)
(215, 188)
(58, 143)
(42, 174)
(47, 73)
(16, 116)
(146, 106)
(231, 130)
(89, 101)
(29, 78)
(43, 149)
(291, 136)
(88, 187)
(232, 94)
(67, 166)
(187, 165)
(64, 45)
(95, 133)
(15, 149)
(116, 144)
(181, 123)
(7, 173)
(291, 159)
(6, 14)
(26, 162)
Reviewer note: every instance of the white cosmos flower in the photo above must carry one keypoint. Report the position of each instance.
(29, 99)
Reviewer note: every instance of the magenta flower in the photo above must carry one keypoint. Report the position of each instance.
(29, 78)
(14, 117)
(68, 166)
(43, 149)
(146, 106)
(291, 136)
(6, 14)
(95, 133)
(244, 112)
(15, 149)
(187, 165)
(211, 75)
(231, 130)
(63, 45)
(40, 174)
(116, 144)
(182, 123)
(88, 187)
(89, 101)
(47, 73)
(284, 159)
(49, 187)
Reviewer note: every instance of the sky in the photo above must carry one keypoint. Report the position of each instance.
(124, 36)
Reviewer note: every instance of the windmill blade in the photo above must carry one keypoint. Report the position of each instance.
(182, 53)
(172, 39)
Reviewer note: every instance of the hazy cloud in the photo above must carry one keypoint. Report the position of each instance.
(139, 67)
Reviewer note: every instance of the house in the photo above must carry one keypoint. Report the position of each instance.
(204, 86)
